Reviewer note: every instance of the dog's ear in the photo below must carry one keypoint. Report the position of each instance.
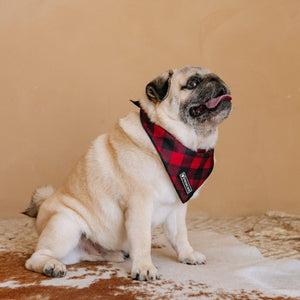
(157, 89)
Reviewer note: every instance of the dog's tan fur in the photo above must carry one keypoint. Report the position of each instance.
(120, 190)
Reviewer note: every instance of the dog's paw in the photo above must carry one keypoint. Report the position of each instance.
(194, 258)
(54, 268)
(144, 272)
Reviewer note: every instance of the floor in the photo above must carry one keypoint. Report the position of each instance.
(255, 257)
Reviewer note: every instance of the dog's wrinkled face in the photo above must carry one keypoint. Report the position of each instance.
(201, 98)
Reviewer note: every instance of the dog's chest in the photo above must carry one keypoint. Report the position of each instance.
(165, 201)
(160, 213)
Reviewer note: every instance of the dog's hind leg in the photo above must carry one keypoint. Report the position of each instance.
(60, 236)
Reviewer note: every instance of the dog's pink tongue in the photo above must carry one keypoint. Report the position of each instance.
(215, 101)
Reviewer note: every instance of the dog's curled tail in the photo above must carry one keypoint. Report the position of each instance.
(38, 197)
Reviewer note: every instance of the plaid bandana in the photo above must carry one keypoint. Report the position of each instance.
(187, 169)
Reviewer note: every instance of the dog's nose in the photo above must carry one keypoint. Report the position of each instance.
(224, 90)
(215, 79)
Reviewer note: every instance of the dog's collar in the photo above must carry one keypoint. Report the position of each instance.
(187, 169)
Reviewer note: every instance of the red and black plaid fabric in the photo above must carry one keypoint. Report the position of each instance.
(187, 169)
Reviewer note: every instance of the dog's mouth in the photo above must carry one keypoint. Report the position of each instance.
(210, 105)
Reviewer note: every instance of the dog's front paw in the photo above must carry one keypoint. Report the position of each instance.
(54, 268)
(144, 272)
(193, 258)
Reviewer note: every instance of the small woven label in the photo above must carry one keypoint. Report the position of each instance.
(185, 183)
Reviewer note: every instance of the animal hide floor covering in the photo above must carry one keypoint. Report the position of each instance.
(253, 257)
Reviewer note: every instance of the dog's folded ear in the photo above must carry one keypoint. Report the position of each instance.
(157, 89)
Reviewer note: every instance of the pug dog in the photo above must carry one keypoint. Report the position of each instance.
(120, 190)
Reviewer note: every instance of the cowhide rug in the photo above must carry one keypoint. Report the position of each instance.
(248, 258)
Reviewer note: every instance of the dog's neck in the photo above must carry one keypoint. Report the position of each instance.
(204, 137)
(193, 139)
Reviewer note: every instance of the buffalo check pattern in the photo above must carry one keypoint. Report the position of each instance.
(187, 169)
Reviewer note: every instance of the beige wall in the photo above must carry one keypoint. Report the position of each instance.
(69, 67)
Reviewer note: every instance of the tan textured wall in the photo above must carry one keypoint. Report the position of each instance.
(69, 67)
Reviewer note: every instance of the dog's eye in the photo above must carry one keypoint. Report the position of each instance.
(192, 83)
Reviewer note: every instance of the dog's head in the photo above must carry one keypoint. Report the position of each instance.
(189, 98)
